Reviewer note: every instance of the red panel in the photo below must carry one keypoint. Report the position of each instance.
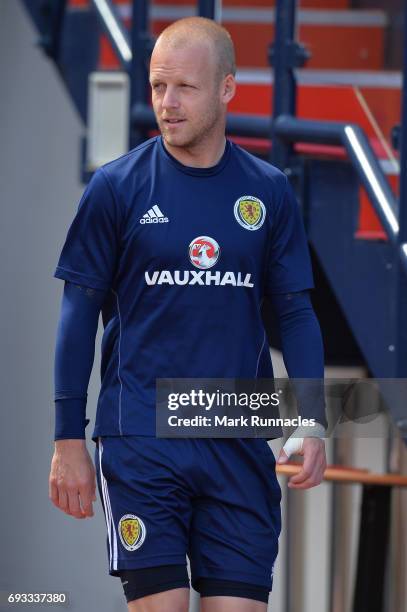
(385, 105)
(324, 4)
(252, 99)
(334, 47)
(321, 4)
(341, 47)
(369, 227)
(172, 3)
(330, 103)
(86, 3)
(107, 57)
(262, 145)
(158, 26)
(251, 43)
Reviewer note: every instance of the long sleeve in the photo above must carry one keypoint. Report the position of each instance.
(303, 350)
(74, 355)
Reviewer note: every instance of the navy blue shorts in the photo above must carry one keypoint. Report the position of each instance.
(215, 500)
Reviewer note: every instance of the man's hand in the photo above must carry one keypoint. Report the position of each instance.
(72, 479)
(314, 465)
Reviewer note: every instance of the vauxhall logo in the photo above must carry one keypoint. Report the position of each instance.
(193, 277)
(204, 252)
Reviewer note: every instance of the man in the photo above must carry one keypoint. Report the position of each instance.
(177, 242)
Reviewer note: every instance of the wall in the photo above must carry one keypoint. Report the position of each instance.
(42, 548)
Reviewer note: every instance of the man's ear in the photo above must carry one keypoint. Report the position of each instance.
(228, 88)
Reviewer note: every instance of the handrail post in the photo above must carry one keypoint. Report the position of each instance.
(401, 332)
(207, 8)
(112, 26)
(141, 45)
(284, 55)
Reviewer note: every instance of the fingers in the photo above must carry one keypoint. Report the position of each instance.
(74, 500)
(72, 482)
(87, 497)
(63, 500)
(74, 505)
(306, 479)
(53, 493)
(313, 468)
(305, 473)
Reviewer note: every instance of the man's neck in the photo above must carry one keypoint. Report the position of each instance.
(200, 156)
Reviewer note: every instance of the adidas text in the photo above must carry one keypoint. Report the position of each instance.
(154, 220)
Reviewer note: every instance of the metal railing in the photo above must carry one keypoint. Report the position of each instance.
(117, 34)
(285, 127)
(364, 160)
(348, 135)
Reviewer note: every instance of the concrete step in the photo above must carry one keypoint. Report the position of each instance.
(338, 39)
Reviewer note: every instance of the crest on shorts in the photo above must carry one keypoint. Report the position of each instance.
(250, 212)
(132, 531)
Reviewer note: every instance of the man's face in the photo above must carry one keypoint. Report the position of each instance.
(186, 94)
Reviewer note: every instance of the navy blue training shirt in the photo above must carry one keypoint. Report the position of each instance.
(186, 255)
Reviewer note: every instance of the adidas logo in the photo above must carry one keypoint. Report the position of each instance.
(154, 215)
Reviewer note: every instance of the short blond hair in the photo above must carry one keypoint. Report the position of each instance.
(183, 32)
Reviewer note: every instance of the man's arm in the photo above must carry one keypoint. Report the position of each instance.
(303, 356)
(72, 478)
